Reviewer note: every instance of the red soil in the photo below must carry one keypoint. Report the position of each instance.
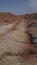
(6, 18)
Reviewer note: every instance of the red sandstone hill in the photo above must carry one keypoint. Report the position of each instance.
(6, 18)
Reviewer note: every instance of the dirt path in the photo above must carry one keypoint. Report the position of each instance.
(12, 46)
(13, 39)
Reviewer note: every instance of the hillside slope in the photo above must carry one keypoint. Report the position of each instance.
(6, 18)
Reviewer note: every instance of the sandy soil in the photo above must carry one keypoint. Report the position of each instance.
(13, 49)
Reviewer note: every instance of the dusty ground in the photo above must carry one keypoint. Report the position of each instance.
(13, 49)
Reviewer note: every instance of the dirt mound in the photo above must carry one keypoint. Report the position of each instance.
(6, 18)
